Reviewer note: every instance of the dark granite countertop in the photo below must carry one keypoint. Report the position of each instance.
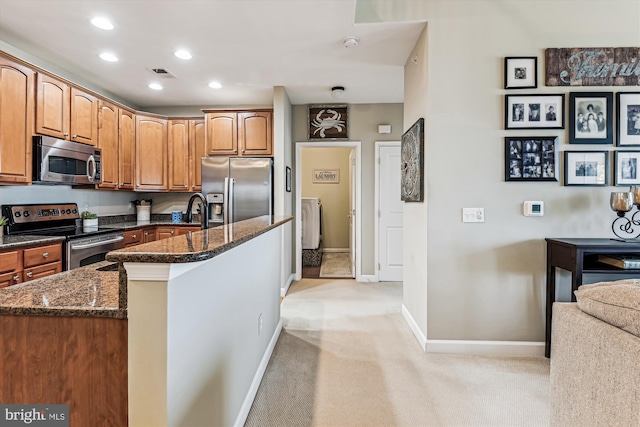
(132, 225)
(13, 242)
(198, 245)
(86, 292)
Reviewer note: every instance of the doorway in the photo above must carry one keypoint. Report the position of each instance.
(352, 177)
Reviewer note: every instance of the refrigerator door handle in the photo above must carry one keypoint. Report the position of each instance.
(228, 200)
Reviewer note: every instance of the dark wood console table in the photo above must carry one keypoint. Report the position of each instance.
(580, 256)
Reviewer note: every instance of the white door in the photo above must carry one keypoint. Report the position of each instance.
(352, 211)
(390, 221)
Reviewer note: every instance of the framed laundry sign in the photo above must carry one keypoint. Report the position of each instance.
(326, 176)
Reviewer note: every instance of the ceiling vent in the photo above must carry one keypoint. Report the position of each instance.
(162, 72)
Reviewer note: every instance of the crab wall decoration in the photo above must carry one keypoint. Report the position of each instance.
(328, 122)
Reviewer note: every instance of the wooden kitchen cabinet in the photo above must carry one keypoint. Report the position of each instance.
(65, 112)
(132, 237)
(179, 159)
(108, 117)
(30, 263)
(16, 126)
(239, 133)
(198, 150)
(185, 230)
(126, 150)
(151, 153)
(165, 232)
(149, 235)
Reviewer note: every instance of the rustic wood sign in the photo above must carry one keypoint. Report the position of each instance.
(597, 66)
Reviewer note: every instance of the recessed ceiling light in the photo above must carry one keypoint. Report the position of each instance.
(182, 54)
(110, 57)
(102, 23)
(215, 85)
(155, 86)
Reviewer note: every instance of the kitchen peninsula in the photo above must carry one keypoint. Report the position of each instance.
(190, 333)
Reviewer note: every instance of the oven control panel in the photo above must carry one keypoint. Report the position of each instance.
(40, 213)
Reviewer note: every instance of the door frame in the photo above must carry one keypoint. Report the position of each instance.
(356, 146)
(376, 203)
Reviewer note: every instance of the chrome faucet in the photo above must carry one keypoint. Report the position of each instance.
(204, 221)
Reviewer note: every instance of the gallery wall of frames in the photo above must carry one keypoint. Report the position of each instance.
(594, 119)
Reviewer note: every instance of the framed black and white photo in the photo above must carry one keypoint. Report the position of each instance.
(534, 112)
(521, 72)
(586, 168)
(628, 109)
(530, 158)
(591, 118)
(288, 179)
(625, 168)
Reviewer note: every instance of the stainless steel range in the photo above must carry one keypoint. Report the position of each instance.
(84, 246)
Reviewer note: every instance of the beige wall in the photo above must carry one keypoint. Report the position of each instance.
(363, 126)
(334, 197)
(487, 281)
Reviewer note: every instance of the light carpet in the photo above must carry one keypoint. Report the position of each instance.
(346, 357)
(336, 265)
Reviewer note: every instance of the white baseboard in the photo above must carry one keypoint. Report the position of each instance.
(498, 348)
(422, 339)
(283, 291)
(367, 278)
(257, 378)
(332, 250)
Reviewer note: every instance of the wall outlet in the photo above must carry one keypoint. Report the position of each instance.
(472, 214)
(260, 324)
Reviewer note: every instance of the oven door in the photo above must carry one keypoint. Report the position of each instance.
(89, 250)
(65, 162)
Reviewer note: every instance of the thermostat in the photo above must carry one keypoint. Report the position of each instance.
(533, 208)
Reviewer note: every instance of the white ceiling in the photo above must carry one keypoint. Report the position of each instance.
(247, 45)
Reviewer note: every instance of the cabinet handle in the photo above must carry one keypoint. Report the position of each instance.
(30, 274)
(16, 278)
(66, 134)
(74, 136)
(45, 254)
(171, 231)
(134, 236)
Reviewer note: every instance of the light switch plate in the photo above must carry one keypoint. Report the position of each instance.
(472, 214)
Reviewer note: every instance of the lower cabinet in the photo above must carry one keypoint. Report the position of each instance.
(30, 263)
(149, 234)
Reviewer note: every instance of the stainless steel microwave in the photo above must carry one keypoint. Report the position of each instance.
(56, 161)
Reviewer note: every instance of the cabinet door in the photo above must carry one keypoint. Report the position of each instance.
(10, 261)
(9, 279)
(186, 230)
(151, 153)
(108, 142)
(255, 134)
(222, 135)
(165, 232)
(149, 235)
(16, 123)
(126, 150)
(84, 117)
(178, 155)
(197, 142)
(42, 255)
(52, 109)
(42, 271)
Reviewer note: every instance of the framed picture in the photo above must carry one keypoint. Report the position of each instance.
(412, 163)
(326, 176)
(625, 168)
(628, 109)
(586, 168)
(530, 158)
(591, 118)
(328, 122)
(534, 111)
(521, 72)
(288, 179)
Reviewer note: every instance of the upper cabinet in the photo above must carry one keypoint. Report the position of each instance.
(198, 151)
(151, 153)
(16, 121)
(108, 115)
(239, 133)
(127, 150)
(65, 112)
(179, 155)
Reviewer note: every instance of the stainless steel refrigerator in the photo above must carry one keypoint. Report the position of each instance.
(237, 188)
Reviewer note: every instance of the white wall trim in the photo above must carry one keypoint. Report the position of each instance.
(336, 250)
(253, 390)
(498, 348)
(368, 278)
(422, 339)
(356, 145)
(283, 291)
